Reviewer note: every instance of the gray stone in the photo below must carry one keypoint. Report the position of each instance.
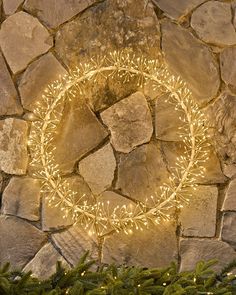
(228, 65)
(13, 146)
(167, 129)
(198, 218)
(141, 172)
(10, 6)
(228, 230)
(20, 241)
(37, 77)
(190, 59)
(22, 28)
(55, 12)
(98, 169)
(194, 250)
(222, 118)
(10, 104)
(212, 21)
(52, 217)
(148, 249)
(213, 173)
(230, 197)
(43, 265)
(73, 243)
(78, 133)
(21, 198)
(130, 122)
(177, 11)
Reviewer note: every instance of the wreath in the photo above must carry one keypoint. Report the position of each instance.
(98, 217)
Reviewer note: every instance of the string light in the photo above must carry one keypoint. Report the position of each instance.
(99, 218)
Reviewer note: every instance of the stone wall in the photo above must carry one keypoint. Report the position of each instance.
(127, 135)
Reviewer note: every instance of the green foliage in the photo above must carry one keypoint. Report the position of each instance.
(121, 281)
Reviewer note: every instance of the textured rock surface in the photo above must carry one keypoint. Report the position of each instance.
(141, 171)
(228, 231)
(73, 243)
(52, 217)
(223, 121)
(13, 146)
(45, 259)
(213, 172)
(98, 169)
(37, 77)
(21, 241)
(229, 170)
(193, 250)
(22, 198)
(114, 200)
(79, 132)
(192, 60)
(144, 249)
(167, 129)
(10, 104)
(21, 28)
(176, 11)
(130, 26)
(55, 12)
(129, 122)
(10, 6)
(228, 67)
(198, 219)
(230, 197)
(212, 23)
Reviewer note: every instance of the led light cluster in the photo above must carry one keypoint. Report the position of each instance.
(99, 218)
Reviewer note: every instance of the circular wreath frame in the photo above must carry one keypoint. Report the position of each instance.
(97, 217)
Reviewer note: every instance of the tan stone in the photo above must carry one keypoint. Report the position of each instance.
(147, 249)
(78, 133)
(177, 10)
(194, 250)
(193, 61)
(10, 6)
(20, 241)
(212, 22)
(13, 146)
(52, 217)
(73, 243)
(228, 65)
(98, 169)
(113, 200)
(21, 198)
(112, 29)
(43, 265)
(55, 12)
(213, 173)
(230, 197)
(130, 122)
(222, 118)
(228, 230)
(37, 77)
(198, 218)
(141, 172)
(10, 104)
(167, 122)
(22, 28)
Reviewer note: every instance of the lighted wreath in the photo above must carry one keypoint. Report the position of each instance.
(98, 218)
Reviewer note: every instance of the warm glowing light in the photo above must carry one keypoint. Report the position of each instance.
(99, 218)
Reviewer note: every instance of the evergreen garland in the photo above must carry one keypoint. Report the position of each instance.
(121, 280)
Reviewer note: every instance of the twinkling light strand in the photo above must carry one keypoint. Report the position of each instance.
(98, 217)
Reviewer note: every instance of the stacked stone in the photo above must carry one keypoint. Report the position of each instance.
(117, 142)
